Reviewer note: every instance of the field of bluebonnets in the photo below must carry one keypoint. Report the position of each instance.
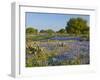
(69, 46)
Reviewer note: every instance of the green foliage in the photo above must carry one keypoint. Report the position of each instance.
(61, 31)
(77, 26)
(31, 30)
(38, 55)
(48, 31)
(42, 31)
(29, 62)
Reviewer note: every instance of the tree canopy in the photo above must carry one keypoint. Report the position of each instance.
(31, 30)
(61, 31)
(77, 26)
(48, 31)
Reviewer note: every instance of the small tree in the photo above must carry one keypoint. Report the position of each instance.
(48, 31)
(77, 26)
(42, 31)
(31, 30)
(61, 31)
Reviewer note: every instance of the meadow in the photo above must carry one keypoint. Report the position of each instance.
(53, 50)
(66, 46)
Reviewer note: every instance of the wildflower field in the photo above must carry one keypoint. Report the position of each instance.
(49, 46)
(56, 51)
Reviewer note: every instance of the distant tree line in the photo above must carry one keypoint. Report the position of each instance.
(31, 30)
(73, 26)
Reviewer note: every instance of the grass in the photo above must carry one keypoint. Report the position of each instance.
(40, 51)
(38, 37)
(41, 56)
